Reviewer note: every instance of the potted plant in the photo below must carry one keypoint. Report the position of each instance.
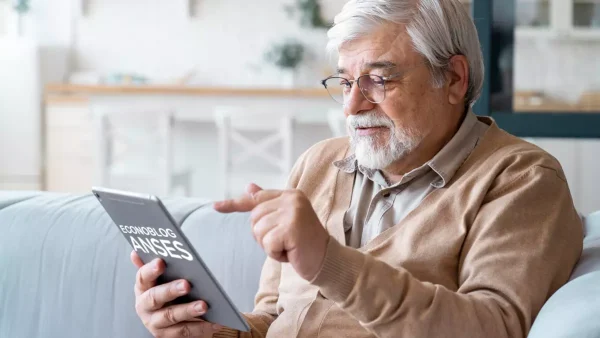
(20, 7)
(309, 12)
(287, 56)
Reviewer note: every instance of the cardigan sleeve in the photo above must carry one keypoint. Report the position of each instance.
(521, 247)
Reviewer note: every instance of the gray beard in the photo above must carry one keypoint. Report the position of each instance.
(379, 155)
(373, 156)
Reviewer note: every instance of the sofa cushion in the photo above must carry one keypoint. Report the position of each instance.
(592, 225)
(226, 245)
(8, 198)
(66, 269)
(574, 310)
(590, 257)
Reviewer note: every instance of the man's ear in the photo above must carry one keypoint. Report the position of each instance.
(458, 79)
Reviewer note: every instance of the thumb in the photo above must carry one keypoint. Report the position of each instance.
(253, 189)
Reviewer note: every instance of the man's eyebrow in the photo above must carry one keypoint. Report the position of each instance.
(372, 65)
(380, 65)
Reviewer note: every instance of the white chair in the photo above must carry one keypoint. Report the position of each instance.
(337, 122)
(253, 134)
(135, 152)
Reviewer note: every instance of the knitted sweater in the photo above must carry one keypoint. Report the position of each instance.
(477, 258)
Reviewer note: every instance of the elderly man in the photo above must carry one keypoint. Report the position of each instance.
(430, 222)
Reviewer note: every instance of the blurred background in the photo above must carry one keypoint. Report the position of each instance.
(199, 97)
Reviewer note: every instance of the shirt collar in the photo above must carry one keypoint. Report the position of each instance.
(445, 163)
(350, 165)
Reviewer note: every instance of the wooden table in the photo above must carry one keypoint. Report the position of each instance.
(524, 101)
(74, 89)
(309, 105)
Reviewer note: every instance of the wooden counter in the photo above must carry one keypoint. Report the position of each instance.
(70, 89)
(524, 101)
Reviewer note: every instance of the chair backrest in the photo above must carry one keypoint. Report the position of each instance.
(235, 124)
(136, 142)
(337, 122)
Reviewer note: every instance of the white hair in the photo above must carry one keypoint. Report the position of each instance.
(439, 29)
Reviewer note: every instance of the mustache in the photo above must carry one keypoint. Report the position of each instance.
(370, 119)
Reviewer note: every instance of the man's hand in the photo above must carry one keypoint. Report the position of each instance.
(285, 225)
(171, 321)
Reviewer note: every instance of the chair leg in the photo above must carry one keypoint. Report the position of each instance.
(187, 185)
(183, 180)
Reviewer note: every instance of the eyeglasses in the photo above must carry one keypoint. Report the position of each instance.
(371, 86)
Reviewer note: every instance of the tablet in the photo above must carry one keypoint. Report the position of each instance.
(153, 233)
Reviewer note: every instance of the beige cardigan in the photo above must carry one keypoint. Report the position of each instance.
(477, 258)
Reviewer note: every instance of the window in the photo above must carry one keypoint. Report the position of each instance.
(586, 13)
(542, 66)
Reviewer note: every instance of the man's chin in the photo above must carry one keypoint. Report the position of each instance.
(369, 143)
(372, 158)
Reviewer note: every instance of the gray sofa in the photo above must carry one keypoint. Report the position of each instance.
(65, 270)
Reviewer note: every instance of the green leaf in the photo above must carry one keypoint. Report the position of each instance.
(288, 54)
(310, 14)
(22, 6)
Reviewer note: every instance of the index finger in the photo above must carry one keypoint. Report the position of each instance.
(147, 275)
(246, 202)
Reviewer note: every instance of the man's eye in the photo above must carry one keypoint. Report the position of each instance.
(345, 84)
(378, 81)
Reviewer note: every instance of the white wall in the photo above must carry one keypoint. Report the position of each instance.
(581, 163)
(224, 41)
(52, 21)
(20, 134)
(3, 9)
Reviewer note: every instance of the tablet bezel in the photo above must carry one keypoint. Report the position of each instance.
(132, 197)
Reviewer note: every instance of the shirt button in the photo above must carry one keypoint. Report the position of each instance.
(386, 195)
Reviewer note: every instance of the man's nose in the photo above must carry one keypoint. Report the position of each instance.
(355, 102)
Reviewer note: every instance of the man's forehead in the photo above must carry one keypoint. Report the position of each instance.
(391, 45)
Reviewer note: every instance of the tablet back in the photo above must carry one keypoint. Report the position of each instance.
(151, 231)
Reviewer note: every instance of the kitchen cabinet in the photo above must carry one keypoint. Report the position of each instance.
(69, 145)
(558, 19)
(542, 70)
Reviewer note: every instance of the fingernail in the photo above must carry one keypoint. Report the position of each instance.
(217, 326)
(181, 287)
(155, 265)
(199, 307)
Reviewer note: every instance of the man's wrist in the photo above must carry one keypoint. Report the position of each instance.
(339, 271)
(227, 333)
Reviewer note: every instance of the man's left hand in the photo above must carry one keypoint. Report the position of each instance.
(285, 225)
